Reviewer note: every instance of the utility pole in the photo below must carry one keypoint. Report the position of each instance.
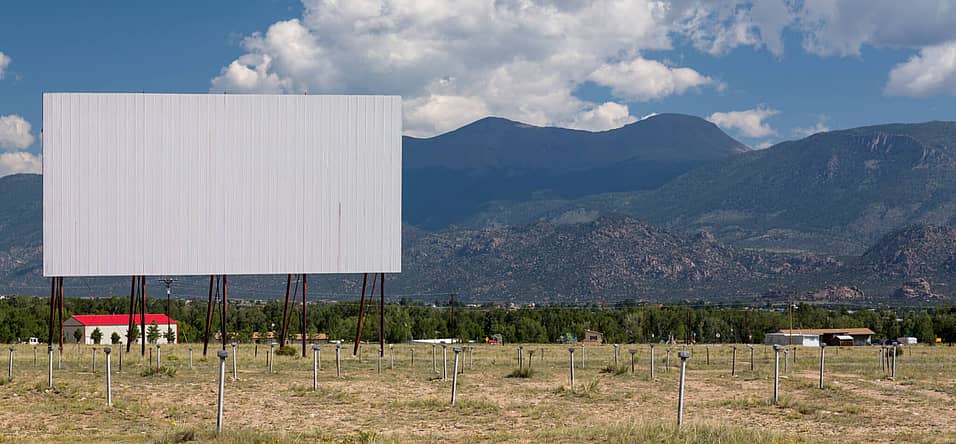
(168, 281)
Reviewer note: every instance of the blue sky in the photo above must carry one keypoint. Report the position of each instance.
(764, 73)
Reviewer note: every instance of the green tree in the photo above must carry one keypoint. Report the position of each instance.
(170, 335)
(97, 335)
(133, 334)
(152, 333)
(115, 338)
(77, 335)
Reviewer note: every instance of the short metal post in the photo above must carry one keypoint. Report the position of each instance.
(583, 356)
(318, 358)
(786, 361)
(59, 358)
(683, 355)
(159, 357)
(632, 352)
(109, 378)
(751, 357)
(520, 348)
(50, 376)
(667, 360)
(471, 357)
(530, 358)
(315, 367)
(190, 356)
(412, 351)
(94, 360)
(34, 356)
(222, 378)
(776, 373)
(454, 377)
(707, 349)
(571, 350)
(616, 349)
(391, 357)
(434, 358)
(272, 355)
(652, 361)
(733, 363)
(338, 360)
(444, 361)
(823, 351)
(10, 368)
(235, 367)
(121, 358)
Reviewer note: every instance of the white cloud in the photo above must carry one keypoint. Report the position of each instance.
(4, 63)
(843, 28)
(819, 127)
(749, 123)
(604, 116)
(717, 27)
(19, 162)
(764, 145)
(456, 61)
(641, 79)
(14, 133)
(931, 72)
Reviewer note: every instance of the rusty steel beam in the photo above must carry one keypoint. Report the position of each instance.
(304, 303)
(61, 313)
(142, 312)
(225, 309)
(358, 328)
(285, 309)
(53, 282)
(205, 341)
(132, 310)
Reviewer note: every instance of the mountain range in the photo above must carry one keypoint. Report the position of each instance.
(667, 208)
(447, 178)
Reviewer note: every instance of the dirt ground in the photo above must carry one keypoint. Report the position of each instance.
(410, 402)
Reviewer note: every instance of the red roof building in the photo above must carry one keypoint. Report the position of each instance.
(121, 319)
(82, 328)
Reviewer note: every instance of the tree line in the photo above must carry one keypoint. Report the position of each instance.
(22, 317)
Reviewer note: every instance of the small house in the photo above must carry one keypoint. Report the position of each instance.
(592, 337)
(787, 339)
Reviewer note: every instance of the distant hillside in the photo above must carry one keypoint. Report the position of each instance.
(448, 177)
(836, 192)
(918, 251)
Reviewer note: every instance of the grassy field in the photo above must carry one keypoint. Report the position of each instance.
(495, 403)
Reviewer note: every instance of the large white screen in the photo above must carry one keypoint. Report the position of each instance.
(187, 184)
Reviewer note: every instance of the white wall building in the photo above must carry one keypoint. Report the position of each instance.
(806, 340)
(118, 323)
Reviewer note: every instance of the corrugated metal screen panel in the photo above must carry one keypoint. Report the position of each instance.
(187, 184)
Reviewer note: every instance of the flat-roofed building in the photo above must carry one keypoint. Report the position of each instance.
(837, 336)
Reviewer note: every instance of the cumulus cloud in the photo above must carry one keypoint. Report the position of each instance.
(843, 28)
(717, 27)
(749, 123)
(4, 63)
(604, 116)
(642, 80)
(20, 162)
(931, 72)
(819, 127)
(456, 61)
(764, 145)
(14, 133)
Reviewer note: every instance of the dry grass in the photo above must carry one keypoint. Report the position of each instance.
(608, 403)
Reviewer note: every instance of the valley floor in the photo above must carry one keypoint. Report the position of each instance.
(410, 403)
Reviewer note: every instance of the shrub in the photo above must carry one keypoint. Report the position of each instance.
(287, 350)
